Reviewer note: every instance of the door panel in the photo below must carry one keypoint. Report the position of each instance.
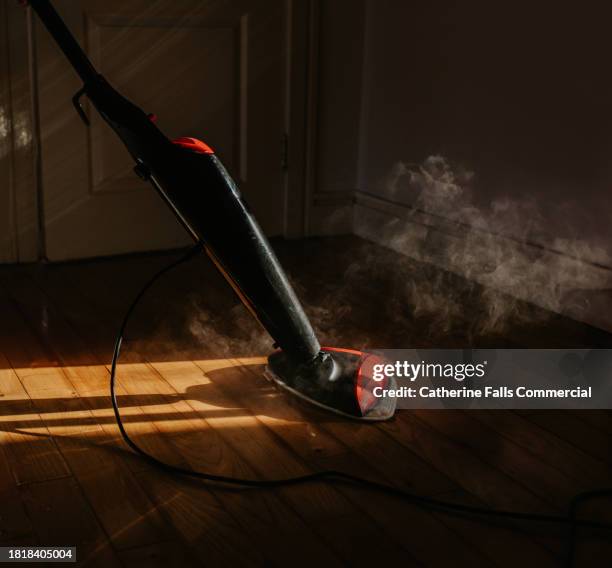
(213, 70)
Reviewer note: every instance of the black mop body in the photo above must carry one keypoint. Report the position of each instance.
(198, 189)
(193, 182)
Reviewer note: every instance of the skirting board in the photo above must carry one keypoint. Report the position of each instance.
(550, 279)
(331, 213)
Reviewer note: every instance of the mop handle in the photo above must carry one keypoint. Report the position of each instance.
(64, 39)
(201, 193)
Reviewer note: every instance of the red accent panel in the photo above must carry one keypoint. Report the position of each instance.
(365, 384)
(194, 145)
(342, 350)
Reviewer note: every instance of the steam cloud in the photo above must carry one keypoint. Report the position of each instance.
(506, 247)
(465, 271)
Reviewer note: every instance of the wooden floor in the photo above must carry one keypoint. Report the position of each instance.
(192, 393)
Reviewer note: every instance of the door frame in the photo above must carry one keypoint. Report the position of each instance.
(20, 237)
(20, 181)
(302, 56)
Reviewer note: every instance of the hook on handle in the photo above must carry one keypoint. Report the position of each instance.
(76, 102)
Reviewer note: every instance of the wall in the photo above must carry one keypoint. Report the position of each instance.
(18, 202)
(339, 77)
(516, 93)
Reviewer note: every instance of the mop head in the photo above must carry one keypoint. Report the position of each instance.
(334, 381)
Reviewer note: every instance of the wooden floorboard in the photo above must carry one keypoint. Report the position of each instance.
(213, 538)
(15, 524)
(197, 456)
(192, 392)
(380, 457)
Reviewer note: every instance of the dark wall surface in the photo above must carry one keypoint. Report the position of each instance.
(518, 92)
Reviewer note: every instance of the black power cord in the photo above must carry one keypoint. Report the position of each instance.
(332, 476)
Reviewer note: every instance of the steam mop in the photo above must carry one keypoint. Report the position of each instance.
(193, 182)
(195, 185)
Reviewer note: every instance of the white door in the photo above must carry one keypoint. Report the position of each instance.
(211, 70)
